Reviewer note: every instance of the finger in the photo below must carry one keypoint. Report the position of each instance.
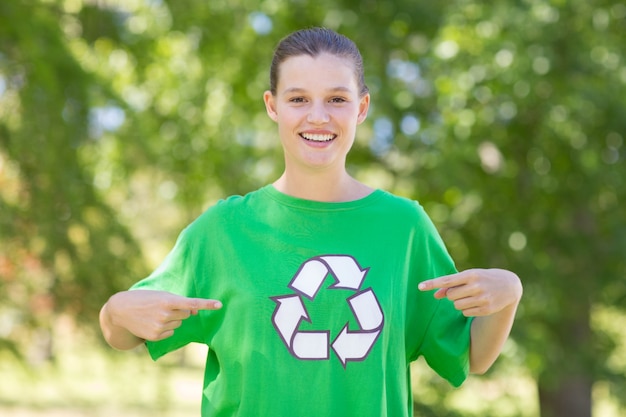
(446, 281)
(464, 291)
(193, 305)
(475, 312)
(178, 315)
(441, 293)
(465, 304)
(161, 331)
(163, 335)
(171, 325)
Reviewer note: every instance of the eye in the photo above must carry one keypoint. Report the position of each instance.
(338, 100)
(296, 100)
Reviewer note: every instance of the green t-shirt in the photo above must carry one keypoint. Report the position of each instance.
(321, 312)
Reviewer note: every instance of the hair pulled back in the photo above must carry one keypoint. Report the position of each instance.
(313, 42)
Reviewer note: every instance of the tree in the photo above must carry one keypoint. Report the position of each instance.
(528, 98)
(62, 246)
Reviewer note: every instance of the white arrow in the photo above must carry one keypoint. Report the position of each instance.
(311, 345)
(354, 346)
(287, 317)
(347, 271)
(309, 278)
(366, 310)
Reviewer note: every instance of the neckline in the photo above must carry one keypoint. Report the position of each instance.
(302, 203)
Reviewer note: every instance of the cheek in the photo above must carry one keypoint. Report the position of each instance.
(290, 117)
(284, 119)
(349, 119)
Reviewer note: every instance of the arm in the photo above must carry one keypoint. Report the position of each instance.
(130, 318)
(488, 336)
(489, 295)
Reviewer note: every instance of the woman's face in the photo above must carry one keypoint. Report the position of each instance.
(317, 107)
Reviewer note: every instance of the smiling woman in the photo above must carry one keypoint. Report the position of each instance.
(316, 282)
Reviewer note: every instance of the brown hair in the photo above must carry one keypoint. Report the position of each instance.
(313, 42)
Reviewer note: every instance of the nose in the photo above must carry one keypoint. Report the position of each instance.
(318, 114)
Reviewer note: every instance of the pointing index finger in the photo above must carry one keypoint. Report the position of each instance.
(195, 304)
(446, 281)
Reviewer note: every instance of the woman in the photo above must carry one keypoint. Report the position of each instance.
(324, 284)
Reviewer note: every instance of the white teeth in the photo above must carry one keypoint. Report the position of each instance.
(317, 138)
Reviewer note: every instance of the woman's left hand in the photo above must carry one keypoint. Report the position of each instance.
(477, 292)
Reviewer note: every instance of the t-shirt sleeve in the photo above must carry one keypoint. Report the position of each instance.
(442, 332)
(447, 342)
(176, 274)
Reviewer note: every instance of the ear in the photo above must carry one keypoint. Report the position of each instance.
(270, 105)
(364, 106)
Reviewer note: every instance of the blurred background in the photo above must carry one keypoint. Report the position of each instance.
(121, 121)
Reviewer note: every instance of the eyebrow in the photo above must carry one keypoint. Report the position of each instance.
(298, 90)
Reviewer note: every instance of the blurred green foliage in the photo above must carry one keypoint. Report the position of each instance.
(120, 121)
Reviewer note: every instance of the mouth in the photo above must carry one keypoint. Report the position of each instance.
(315, 137)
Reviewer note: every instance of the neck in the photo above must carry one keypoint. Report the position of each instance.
(328, 187)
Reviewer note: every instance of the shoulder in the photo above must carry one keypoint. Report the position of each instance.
(408, 214)
(402, 205)
(232, 208)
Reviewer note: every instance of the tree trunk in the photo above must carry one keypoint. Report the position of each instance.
(571, 397)
(566, 382)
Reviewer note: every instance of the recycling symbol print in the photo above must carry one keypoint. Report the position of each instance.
(348, 345)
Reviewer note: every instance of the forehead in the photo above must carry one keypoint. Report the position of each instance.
(328, 70)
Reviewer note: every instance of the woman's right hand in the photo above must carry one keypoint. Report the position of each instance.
(131, 317)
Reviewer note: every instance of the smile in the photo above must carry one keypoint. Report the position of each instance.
(317, 137)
